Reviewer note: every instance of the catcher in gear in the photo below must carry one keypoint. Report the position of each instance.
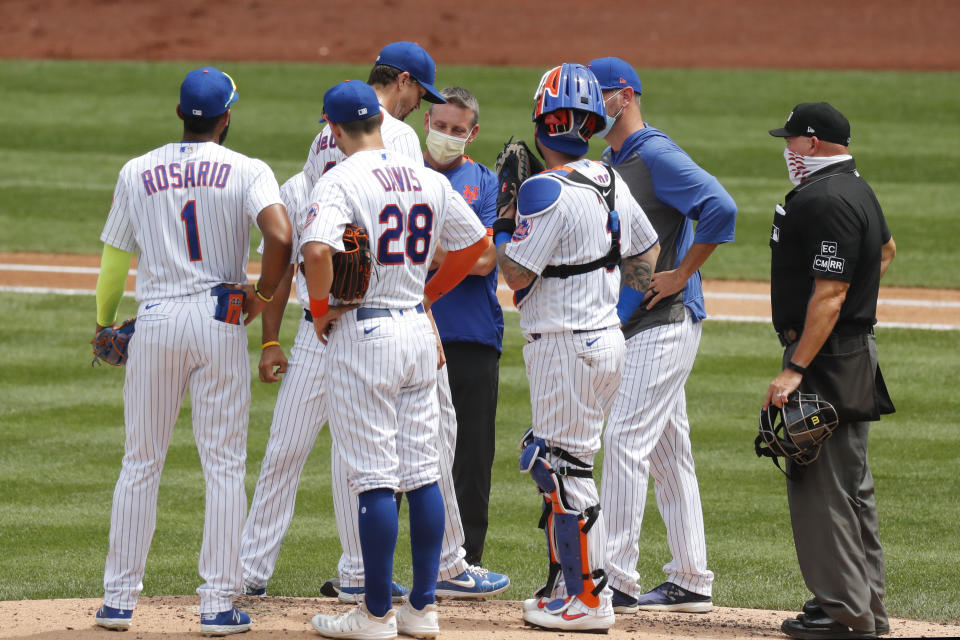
(552, 250)
(514, 164)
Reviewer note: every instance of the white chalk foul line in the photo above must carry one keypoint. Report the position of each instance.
(720, 318)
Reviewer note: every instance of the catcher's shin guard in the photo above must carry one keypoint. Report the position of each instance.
(565, 528)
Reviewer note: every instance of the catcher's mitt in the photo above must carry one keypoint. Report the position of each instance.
(352, 266)
(110, 344)
(514, 164)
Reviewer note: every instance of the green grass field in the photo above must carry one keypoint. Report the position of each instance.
(62, 440)
(68, 127)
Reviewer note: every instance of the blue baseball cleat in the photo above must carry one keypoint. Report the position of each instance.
(475, 583)
(671, 597)
(110, 618)
(622, 603)
(224, 623)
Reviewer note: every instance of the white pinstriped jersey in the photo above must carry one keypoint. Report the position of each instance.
(187, 208)
(325, 154)
(405, 207)
(574, 230)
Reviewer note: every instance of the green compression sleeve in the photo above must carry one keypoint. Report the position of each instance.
(114, 265)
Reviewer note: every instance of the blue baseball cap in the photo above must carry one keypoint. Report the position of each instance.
(207, 93)
(414, 59)
(350, 100)
(614, 73)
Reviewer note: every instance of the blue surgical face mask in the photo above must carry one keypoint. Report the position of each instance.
(611, 120)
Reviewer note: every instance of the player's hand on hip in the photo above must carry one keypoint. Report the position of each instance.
(664, 284)
(324, 324)
(273, 362)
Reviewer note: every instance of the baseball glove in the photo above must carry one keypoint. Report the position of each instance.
(514, 164)
(110, 344)
(352, 266)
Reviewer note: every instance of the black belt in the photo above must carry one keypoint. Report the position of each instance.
(845, 330)
(365, 313)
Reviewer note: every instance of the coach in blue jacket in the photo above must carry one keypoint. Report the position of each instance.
(648, 431)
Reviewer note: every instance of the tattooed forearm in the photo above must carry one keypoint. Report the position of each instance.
(515, 275)
(638, 270)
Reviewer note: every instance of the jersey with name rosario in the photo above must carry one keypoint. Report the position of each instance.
(187, 208)
(325, 154)
(406, 208)
(562, 223)
(470, 312)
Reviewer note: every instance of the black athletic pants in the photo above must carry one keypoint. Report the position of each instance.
(474, 372)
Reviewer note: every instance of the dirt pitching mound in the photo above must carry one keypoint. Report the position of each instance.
(289, 618)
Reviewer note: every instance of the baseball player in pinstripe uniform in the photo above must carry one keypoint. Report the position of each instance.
(186, 208)
(648, 431)
(561, 255)
(381, 359)
(300, 413)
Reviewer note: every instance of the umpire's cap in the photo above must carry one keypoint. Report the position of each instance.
(818, 119)
(414, 59)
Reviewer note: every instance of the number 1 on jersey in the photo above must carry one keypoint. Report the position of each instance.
(189, 217)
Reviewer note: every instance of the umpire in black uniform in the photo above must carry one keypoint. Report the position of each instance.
(830, 246)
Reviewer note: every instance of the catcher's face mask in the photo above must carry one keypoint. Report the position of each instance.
(797, 431)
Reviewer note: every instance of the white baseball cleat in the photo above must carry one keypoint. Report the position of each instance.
(568, 615)
(424, 623)
(358, 624)
(534, 604)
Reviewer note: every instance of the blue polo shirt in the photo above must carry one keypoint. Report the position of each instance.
(470, 312)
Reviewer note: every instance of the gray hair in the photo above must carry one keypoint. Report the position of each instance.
(462, 98)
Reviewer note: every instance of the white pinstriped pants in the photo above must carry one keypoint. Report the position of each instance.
(177, 346)
(649, 433)
(345, 502)
(298, 417)
(573, 379)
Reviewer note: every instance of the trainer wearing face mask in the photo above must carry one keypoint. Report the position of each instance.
(469, 318)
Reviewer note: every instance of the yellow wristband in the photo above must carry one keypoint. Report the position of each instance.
(271, 343)
(260, 295)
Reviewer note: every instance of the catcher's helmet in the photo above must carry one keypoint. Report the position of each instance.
(797, 431)
(568, 109)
